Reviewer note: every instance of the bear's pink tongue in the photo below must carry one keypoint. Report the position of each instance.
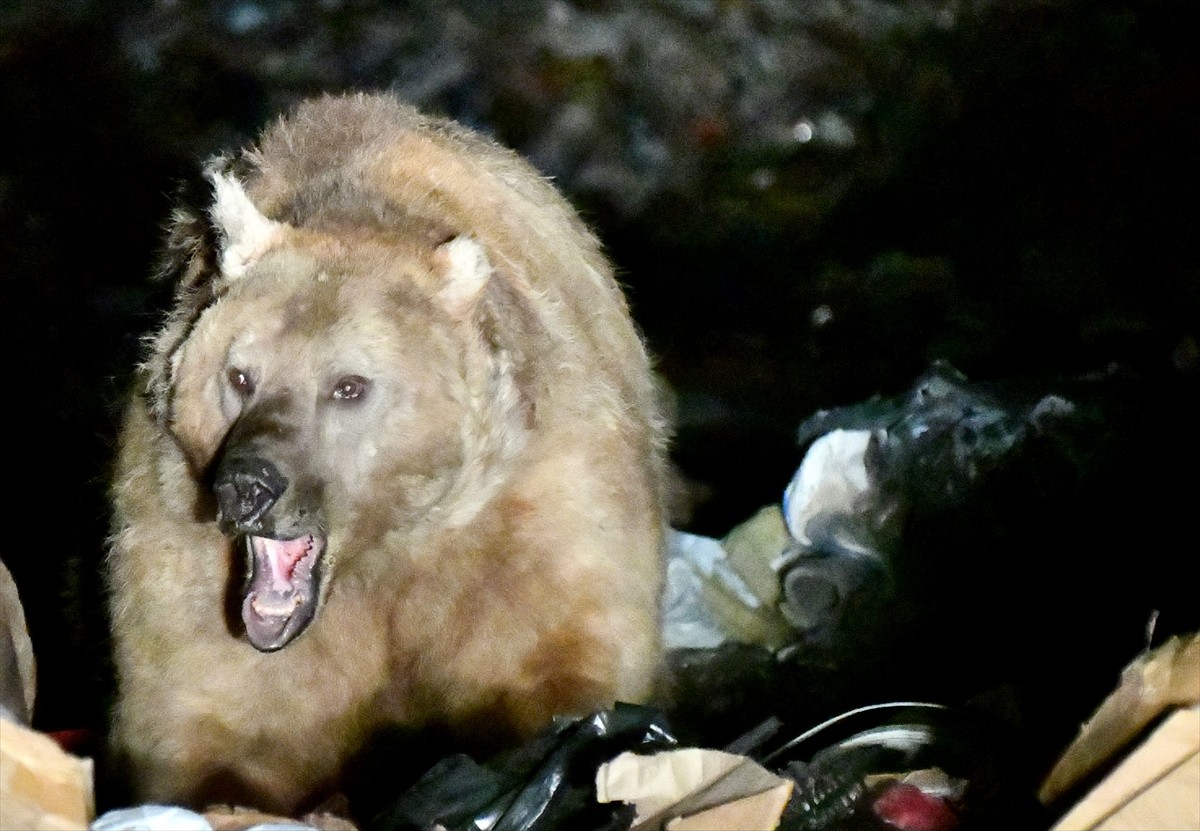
(281, 557)
(281, 592)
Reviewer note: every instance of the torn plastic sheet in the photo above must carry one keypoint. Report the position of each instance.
(690, 618)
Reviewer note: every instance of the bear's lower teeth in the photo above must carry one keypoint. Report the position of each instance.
(264, 608)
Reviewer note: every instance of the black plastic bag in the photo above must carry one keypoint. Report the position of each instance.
(547, 783)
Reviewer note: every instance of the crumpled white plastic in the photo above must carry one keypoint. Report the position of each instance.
(173, 818)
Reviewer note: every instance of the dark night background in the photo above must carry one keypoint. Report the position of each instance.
(808, 203)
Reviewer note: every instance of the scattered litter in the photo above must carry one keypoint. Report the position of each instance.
(759, 622)
(42, 787)
(151, 818)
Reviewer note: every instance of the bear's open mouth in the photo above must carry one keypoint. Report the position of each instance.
(282, 588)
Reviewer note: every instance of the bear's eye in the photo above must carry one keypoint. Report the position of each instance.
(240, 381)
(350, 388)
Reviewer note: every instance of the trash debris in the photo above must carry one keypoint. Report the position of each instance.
(175, 818)
(1157, 783)
(694, 788)
(795, 571)
(771, 629)
(912, 766)
(869, 466)
(837, 530)
(707, 601)
(927, 545)
(544, 785)
(42, 787)
(1156, 786)
(151, 818)
(18, 675)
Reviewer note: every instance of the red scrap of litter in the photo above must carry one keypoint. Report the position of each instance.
(909, 808)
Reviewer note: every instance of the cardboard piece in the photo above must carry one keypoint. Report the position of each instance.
(1155, 788)
(42, 787)
(758, 812)
(691, 789)
(18, 669)
(1157, 784)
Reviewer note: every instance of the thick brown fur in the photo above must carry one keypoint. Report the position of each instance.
(492, 503)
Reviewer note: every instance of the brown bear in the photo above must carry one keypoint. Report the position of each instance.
(395, 457)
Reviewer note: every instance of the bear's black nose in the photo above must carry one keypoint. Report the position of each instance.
(246, 488)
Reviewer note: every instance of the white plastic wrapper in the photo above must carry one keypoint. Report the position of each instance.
(173, 818)
(688, 622)
(151, 818)
(830, 481)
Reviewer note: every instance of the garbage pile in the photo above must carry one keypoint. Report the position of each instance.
(893, 645)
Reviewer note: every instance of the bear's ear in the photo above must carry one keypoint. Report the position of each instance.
(244, 232)
(215, 232)
(467, 271)
(187, 257)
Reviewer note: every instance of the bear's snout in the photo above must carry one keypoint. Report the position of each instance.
(246, 488)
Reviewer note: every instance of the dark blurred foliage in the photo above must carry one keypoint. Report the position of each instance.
(809, 202)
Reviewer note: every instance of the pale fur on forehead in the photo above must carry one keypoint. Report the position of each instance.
(467, 272)
(246, 233)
